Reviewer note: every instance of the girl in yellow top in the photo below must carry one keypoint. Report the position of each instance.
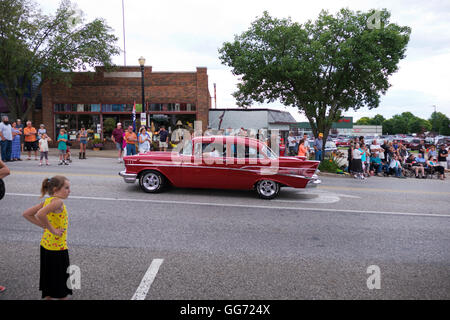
(51, 215)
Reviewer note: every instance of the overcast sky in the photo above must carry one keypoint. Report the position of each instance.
(177, 35)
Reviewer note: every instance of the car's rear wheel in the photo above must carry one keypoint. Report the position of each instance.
(267, 189)
(152, 182)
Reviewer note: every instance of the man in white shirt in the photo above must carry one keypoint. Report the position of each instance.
(291, 144)
(376, 148)
(6, 139)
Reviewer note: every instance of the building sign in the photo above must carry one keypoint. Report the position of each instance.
(143, 119)
(343, 123)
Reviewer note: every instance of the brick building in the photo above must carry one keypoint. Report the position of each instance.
(93, 97)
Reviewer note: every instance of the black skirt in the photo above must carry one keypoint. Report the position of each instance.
(54, 276)
(357, 166)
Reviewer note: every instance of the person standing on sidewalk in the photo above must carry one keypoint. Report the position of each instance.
(163, 139)
(117, 138)
(318, 147)
(144, 140)
(62, 147)
(6, 138)
(30, 140)
(43, 148)
(20, 126)
(131, 139)
(41, 131)
(51, 215)
(83, 139)
(4, 172)
(15, 149)
(291, 144)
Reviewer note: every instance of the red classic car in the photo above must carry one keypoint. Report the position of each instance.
(220, 162)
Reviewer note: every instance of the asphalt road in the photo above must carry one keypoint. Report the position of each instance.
(216, 244)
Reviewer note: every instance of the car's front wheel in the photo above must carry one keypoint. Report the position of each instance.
(152, 181)
(267, 189)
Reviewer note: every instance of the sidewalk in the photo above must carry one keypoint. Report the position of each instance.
(75, 152)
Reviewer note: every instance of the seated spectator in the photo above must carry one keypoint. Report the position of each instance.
(376, 148)
(432, 153)
(420, 161)
(411, 164)
(375, 164)
(396, 167)
(432, 163)
(390, 154)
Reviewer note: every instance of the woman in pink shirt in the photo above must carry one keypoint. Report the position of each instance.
(302, 149)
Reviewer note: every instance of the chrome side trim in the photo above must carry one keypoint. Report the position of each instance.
(257, 171)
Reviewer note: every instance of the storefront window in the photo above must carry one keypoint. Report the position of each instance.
(67, 122)
(172, 107)
(121, 107)
(89, 122)
(65, 107)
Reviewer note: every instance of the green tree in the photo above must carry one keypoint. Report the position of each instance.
(445, 127)
(378, 120)
(323, 68)
(35, 47)
(418, 125)
(389, 127)
(364, 121)
(436, 120)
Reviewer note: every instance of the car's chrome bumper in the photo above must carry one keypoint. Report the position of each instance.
(313, 182)
(128, 177)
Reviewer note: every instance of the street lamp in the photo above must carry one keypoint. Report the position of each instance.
(142, 63)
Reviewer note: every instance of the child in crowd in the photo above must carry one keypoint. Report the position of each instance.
(41, 131)
(51, 215)
(62, 147)
(43, 148)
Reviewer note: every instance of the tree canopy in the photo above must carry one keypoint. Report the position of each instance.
(35, 47)
(323, 68)
(405, 123)
(440, 123)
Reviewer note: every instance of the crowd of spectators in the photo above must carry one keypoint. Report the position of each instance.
(392, 158)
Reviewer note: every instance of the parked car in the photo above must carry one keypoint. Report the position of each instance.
(330, 147)
(343, 143)
(414, 144)
(444, 141)
(221, 162)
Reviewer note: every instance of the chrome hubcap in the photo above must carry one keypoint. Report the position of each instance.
(267, 188)
(151, 181)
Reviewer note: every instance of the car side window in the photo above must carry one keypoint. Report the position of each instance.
(187, 149)
(215, 150)
(198, 149)
(248, 152)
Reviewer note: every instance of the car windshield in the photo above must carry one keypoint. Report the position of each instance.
(187, 148)
(268, 152)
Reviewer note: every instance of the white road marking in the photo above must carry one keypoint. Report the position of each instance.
(147, 281)
(320, 199)
(247, 206)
